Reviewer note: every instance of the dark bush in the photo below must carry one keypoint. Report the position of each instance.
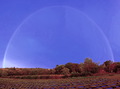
(85, 74)
(66, 76)
(75, 74)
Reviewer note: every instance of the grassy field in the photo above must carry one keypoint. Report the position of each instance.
(93, 82)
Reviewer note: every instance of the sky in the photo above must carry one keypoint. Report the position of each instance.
(46, 33)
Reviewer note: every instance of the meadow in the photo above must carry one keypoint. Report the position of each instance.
(91, 82)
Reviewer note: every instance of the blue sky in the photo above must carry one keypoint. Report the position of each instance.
(44, 33)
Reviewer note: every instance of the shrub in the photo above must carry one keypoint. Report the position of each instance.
(111, 74)
(65, 71)
(75, 74)
(4, 73)
(66, 76)
(85, 73)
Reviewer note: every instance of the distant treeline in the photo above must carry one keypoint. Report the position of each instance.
(87, 68)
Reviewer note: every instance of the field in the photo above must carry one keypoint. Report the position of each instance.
(92, 82)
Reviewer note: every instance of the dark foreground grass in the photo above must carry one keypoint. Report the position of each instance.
(94, 82)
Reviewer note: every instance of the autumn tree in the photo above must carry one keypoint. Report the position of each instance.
(107, 65)
(65, 71)
(115, 67)
(73, 67)
(61, 69)
(89, 66)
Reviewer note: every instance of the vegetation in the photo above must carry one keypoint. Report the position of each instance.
(87, 68)
(85, 75)
(94, 82)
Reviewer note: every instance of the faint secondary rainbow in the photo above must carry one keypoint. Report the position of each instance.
(18, 28)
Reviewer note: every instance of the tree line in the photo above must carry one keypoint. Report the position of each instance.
(87, 68)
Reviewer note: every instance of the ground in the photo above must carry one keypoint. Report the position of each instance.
(92, 82)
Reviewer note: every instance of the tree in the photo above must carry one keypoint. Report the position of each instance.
(88, 60)
(115, 67)
(107, 65)
(73, 67)
(65, 71)
(108, 62)
(90, 66)
(59, 68)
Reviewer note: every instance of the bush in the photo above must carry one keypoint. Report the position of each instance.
(75, 74)
(4, 73)
(65, 71)
(85, 74)
(66, 76)
(111, 74)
